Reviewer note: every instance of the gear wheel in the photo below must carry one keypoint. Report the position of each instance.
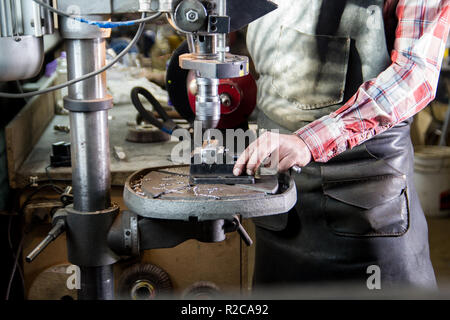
(144, 282)
(202, 290)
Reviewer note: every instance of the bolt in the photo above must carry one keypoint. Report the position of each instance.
(225, 99)
(33, 181)
(192, 16)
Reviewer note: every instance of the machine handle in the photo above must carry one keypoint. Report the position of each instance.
(242, 232)
(57, 229)
(296, 169)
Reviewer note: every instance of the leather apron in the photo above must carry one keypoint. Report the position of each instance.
(358, 210)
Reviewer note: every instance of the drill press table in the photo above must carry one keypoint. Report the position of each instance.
(165, 193)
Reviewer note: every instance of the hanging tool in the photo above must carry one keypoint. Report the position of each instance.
(167, 125)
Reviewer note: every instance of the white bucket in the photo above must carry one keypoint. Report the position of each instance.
(432, 179)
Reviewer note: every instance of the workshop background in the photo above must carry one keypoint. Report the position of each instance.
(33, 131)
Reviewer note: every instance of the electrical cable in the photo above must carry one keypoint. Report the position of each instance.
(19, 86)
(100, 24)
(86, 76)
(12, 249)
(8, 290)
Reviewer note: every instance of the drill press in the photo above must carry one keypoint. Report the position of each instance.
(98, 234)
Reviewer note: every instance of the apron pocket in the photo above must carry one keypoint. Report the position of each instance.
(369, 207)
(310, 70)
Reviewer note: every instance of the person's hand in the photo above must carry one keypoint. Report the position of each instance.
(286, 150)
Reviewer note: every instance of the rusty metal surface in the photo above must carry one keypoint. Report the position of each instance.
(167, 194)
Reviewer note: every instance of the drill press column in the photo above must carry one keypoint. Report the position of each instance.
(89, 219)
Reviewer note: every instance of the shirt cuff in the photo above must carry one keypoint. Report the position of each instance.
(325, 138)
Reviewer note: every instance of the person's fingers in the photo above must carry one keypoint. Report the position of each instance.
(267, 163)
(286, 163)
(242, 161)
(261, 153)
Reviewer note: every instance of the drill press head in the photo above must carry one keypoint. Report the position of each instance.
(206, 24)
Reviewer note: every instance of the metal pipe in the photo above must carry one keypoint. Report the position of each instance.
(97, 283)
(85, 56)
(91, 178)
(89, 130)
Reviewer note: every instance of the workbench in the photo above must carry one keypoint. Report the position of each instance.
(138, 155)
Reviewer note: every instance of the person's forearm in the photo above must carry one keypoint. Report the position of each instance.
(398, 93)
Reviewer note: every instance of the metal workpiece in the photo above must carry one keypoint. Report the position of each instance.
(87, 235)
(207, 107)
(172, 197)
(233, 66)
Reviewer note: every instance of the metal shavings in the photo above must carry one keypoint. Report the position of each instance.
(177, 190)
(137, 187)
(180, 175)
(168, 179)
(209, 195)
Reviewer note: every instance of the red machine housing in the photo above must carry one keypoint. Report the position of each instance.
(242, 93)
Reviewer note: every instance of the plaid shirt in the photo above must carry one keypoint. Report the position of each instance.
(398, 93)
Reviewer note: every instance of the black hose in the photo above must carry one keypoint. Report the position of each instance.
(147, 115)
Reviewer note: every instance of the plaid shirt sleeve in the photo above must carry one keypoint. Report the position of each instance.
(398, 93)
